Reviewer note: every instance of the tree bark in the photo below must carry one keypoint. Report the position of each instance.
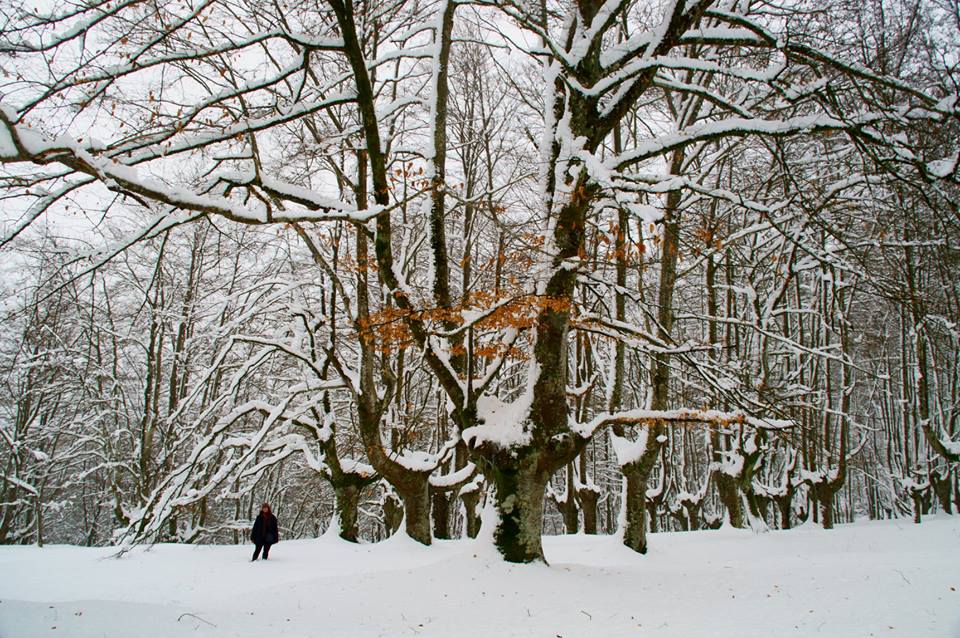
(347, 504)
(568, 505)
(637, 473)
(440, 508)
(635, 476)
(588, 496)
(942, 487)
(518, 495)
(471, 503)
(416, 509)
(392, 513)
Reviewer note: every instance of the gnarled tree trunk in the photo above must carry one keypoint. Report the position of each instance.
(518, 495)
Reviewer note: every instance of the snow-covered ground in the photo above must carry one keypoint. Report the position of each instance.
(868, 579)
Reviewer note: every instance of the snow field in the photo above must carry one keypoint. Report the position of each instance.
(868, 579)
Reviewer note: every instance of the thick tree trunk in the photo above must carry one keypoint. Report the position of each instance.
(634, 508)
(568, 505)
(441, 513)
(730, 497)
(917, 496)
(571, 523)
(653, 507)
(635, 477)
(413, 508)
(471, 502)
(754, 507)
(589, 497)
(826, 512)
(416, 508)
(518, 495)
(785, 503)
(942, 487)
(347, 504)
(693, 514)
(680, 516)
(392, 513)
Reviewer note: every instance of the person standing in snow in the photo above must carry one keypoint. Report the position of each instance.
(265, 532)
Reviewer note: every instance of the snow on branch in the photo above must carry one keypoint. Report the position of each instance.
(682, 416)
(20, 143)
(23, 485)
(742, 127)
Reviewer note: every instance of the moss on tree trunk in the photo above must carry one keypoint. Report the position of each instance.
(519, 488)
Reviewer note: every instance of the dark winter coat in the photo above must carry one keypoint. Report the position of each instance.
(265, 530)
